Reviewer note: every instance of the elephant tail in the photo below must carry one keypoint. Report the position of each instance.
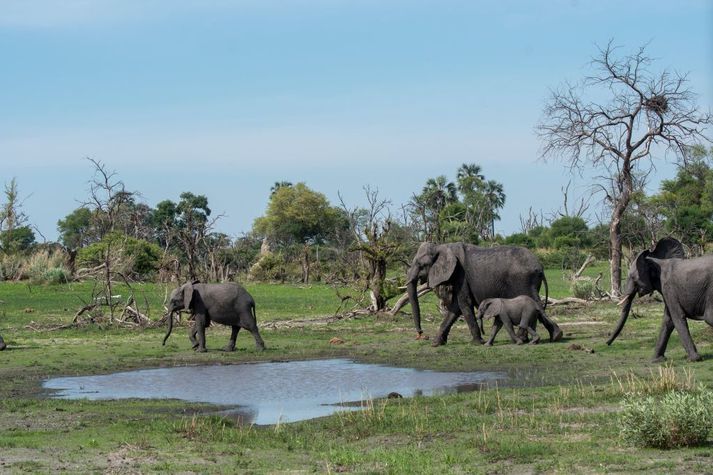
(252, 310)
(547, 291)
(170, 328)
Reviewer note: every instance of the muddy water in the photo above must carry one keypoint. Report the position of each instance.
(267, 393)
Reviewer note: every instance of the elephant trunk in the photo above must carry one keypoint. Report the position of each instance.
(413, 300)
(626, 301)
(170, 327)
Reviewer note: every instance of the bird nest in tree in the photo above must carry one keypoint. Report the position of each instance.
(657, 103)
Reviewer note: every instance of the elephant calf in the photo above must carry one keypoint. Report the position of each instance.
(229, 304)
(522, 311)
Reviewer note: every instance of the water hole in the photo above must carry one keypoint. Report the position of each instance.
(268, 393)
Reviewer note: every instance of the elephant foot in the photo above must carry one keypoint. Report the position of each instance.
(260, 348)
(477, 341)
(201, 350)
(229, 348)
(557, 335)
(695, 357)
(438, 342)
(195, 345)
(488, 343)
(535, 341)
(519, 342)
(658, 359)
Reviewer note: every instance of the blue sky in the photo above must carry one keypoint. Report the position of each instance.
(224, 98)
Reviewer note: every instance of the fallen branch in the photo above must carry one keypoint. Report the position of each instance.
(302, 322)
(589, 260)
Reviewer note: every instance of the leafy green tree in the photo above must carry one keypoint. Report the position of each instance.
(570, 231)
(15, 235)
(131, 257)
(75, 230)
(297, 215)
(686, 201)
(19, 239)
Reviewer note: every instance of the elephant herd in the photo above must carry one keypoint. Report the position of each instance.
(503, 283)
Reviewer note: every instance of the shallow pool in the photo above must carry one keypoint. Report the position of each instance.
(268, 393)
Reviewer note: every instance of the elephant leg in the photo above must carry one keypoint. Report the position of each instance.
(233, 336)
(200, 331)
(259, 344)
(469, 317)
(446, 324)
(526, 325)
(552, 328)
(515, 338)
(497, 324)
(2, 344)
(664, 334)
(192, 335)
(681, 323)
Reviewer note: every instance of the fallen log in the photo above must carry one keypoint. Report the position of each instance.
(421, 290)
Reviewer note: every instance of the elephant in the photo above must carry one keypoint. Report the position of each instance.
(476, 273)
(229, 304)
(685, 284)
(521, 311)
(2, 344)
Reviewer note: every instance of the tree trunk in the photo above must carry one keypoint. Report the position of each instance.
(305, 264)
(622, 201)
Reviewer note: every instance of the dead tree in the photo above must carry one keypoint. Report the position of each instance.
(645, 111)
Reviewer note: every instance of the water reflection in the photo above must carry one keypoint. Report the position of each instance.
(265, 393)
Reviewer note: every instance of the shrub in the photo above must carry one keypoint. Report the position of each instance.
(128, 255)
(582, 288)
(11, 266)
(676, 419)
(46, 265)
(57, 275)
(270, 267)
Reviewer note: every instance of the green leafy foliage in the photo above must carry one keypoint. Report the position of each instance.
(140, 258)
(676, 419)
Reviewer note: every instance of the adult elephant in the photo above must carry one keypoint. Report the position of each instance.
(685, 284)
(229, 304)
(2, 344)
(479, 273)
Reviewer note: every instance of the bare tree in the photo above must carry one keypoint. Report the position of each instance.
(373, 230)
(646, 112)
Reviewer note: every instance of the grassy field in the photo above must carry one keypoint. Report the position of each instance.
(563, 417)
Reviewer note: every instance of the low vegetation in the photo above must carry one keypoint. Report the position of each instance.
(561, 412)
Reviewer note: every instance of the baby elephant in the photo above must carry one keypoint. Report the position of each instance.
(522, 311)
(229, 304)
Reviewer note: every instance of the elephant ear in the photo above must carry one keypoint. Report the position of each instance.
(443, 267)
(492, 308)
(187, 295)
(645, 273)
(667, 248)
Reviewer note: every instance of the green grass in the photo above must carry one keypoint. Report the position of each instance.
(567, 422)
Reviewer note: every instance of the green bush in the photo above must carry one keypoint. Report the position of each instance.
(270, 267)
(568, 258)
(582, 288)
(129, 255)
(676, 419)
(56, 275)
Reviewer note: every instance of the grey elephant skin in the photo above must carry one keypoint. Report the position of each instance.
(685, 284)
(2, 344)
(521, 311)
(476, 273)
(228, 304)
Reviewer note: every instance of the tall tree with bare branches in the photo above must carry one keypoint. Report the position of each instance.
(617, 121)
